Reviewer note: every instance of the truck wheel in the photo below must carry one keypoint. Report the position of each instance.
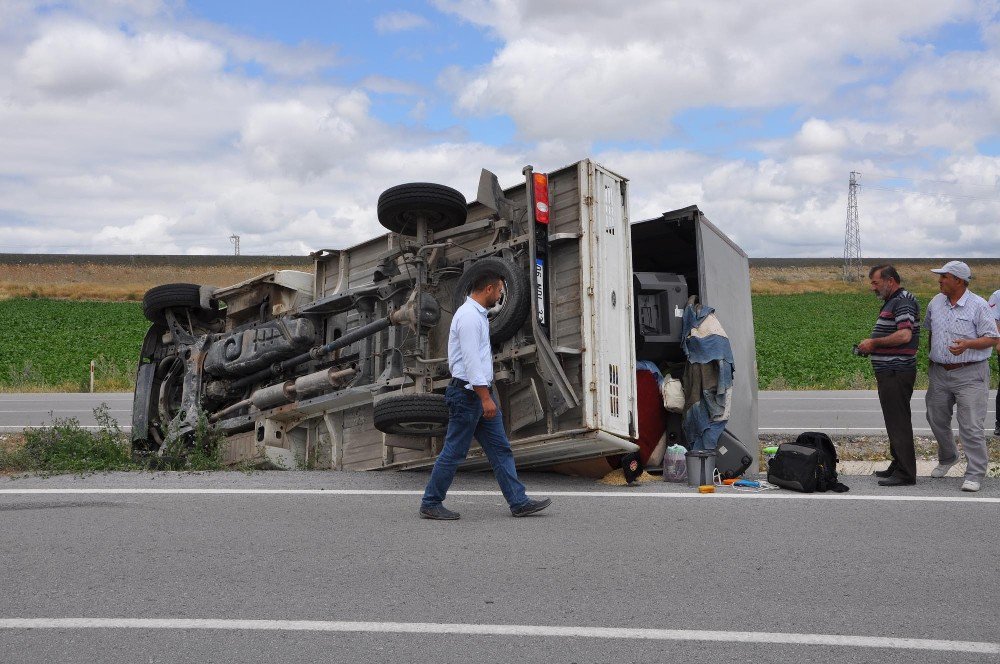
(160, 298)
(412, 415)
(401, 206)
(509, 314)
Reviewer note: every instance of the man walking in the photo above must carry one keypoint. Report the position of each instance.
(893, 350)
(472, 408)
(994, 303)
(962, 336)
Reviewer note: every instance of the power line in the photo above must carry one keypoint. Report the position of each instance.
(993, 187)
(934, 193)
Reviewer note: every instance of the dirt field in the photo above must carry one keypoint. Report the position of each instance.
(788, 276)
(122, 278)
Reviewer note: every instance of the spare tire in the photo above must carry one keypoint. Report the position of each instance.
(412, 415)
(401, 206)
(507, 317)
(158, 299)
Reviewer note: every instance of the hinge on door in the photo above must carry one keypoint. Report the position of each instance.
(588, 200)
(593, 386)
(590, 291)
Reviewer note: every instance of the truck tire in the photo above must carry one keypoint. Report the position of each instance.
(400, 206)
(158, 299)
(412, 415)
(513, 308)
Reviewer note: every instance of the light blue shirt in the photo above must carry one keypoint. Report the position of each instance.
(470, 357)
(969, 318)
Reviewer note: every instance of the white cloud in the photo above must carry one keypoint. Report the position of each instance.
(154, 138)
(399, 21)
(625, 73)
(79, 59)
(149, 234)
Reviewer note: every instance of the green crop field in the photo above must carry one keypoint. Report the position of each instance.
(49, 344)
(803, 342)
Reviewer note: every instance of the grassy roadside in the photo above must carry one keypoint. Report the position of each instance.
(66, 447)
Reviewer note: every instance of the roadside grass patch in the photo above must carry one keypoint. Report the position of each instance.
(67, 447)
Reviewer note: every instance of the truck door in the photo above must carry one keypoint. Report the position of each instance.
(724, 277)
(607, 267)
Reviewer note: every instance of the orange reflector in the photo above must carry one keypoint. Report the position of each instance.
(541, 189)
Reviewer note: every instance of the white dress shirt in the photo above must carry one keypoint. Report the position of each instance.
(470, 357)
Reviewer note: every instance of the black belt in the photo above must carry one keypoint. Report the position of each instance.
(461, 382)
(957, 365)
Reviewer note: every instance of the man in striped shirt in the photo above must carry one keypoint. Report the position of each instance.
(962, 336)
(893, 350)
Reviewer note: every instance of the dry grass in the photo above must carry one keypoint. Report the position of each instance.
(11, 441)
(811, 278)
(95, 281)
(128, 282)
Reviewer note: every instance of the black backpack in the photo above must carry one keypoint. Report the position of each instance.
(809, 464)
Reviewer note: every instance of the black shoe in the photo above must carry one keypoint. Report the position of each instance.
(896, 480)
(531, 507)
(438, 512)
(888, 472)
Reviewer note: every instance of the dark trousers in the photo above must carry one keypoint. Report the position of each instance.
(894, 391)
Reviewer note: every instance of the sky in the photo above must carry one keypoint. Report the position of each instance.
(165, 126)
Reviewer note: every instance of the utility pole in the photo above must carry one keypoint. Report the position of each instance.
(852, 236)
(235, 239)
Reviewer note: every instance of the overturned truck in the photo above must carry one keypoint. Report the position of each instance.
(345, 368)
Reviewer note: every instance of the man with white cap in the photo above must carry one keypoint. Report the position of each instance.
(961, 339)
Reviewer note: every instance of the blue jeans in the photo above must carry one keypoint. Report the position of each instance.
(465, 420)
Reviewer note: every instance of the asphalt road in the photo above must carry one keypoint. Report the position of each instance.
(839, 412)
(847, 411)
(337, 576)
(20, 410)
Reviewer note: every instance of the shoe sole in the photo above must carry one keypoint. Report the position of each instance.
(439, 518)
(534, 510)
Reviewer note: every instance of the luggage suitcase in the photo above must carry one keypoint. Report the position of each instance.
(732, 457)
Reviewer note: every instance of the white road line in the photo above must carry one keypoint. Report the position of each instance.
(612, 633)
(817, 427)
(825, 411)
(722, 494)
(762, 396)
(61, 411)
(21, 427)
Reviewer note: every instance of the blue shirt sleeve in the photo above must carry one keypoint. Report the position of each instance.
(468, 341)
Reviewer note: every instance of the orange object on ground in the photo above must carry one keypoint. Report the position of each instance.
(706, 488)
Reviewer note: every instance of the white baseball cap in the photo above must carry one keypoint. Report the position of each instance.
(957, 268)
